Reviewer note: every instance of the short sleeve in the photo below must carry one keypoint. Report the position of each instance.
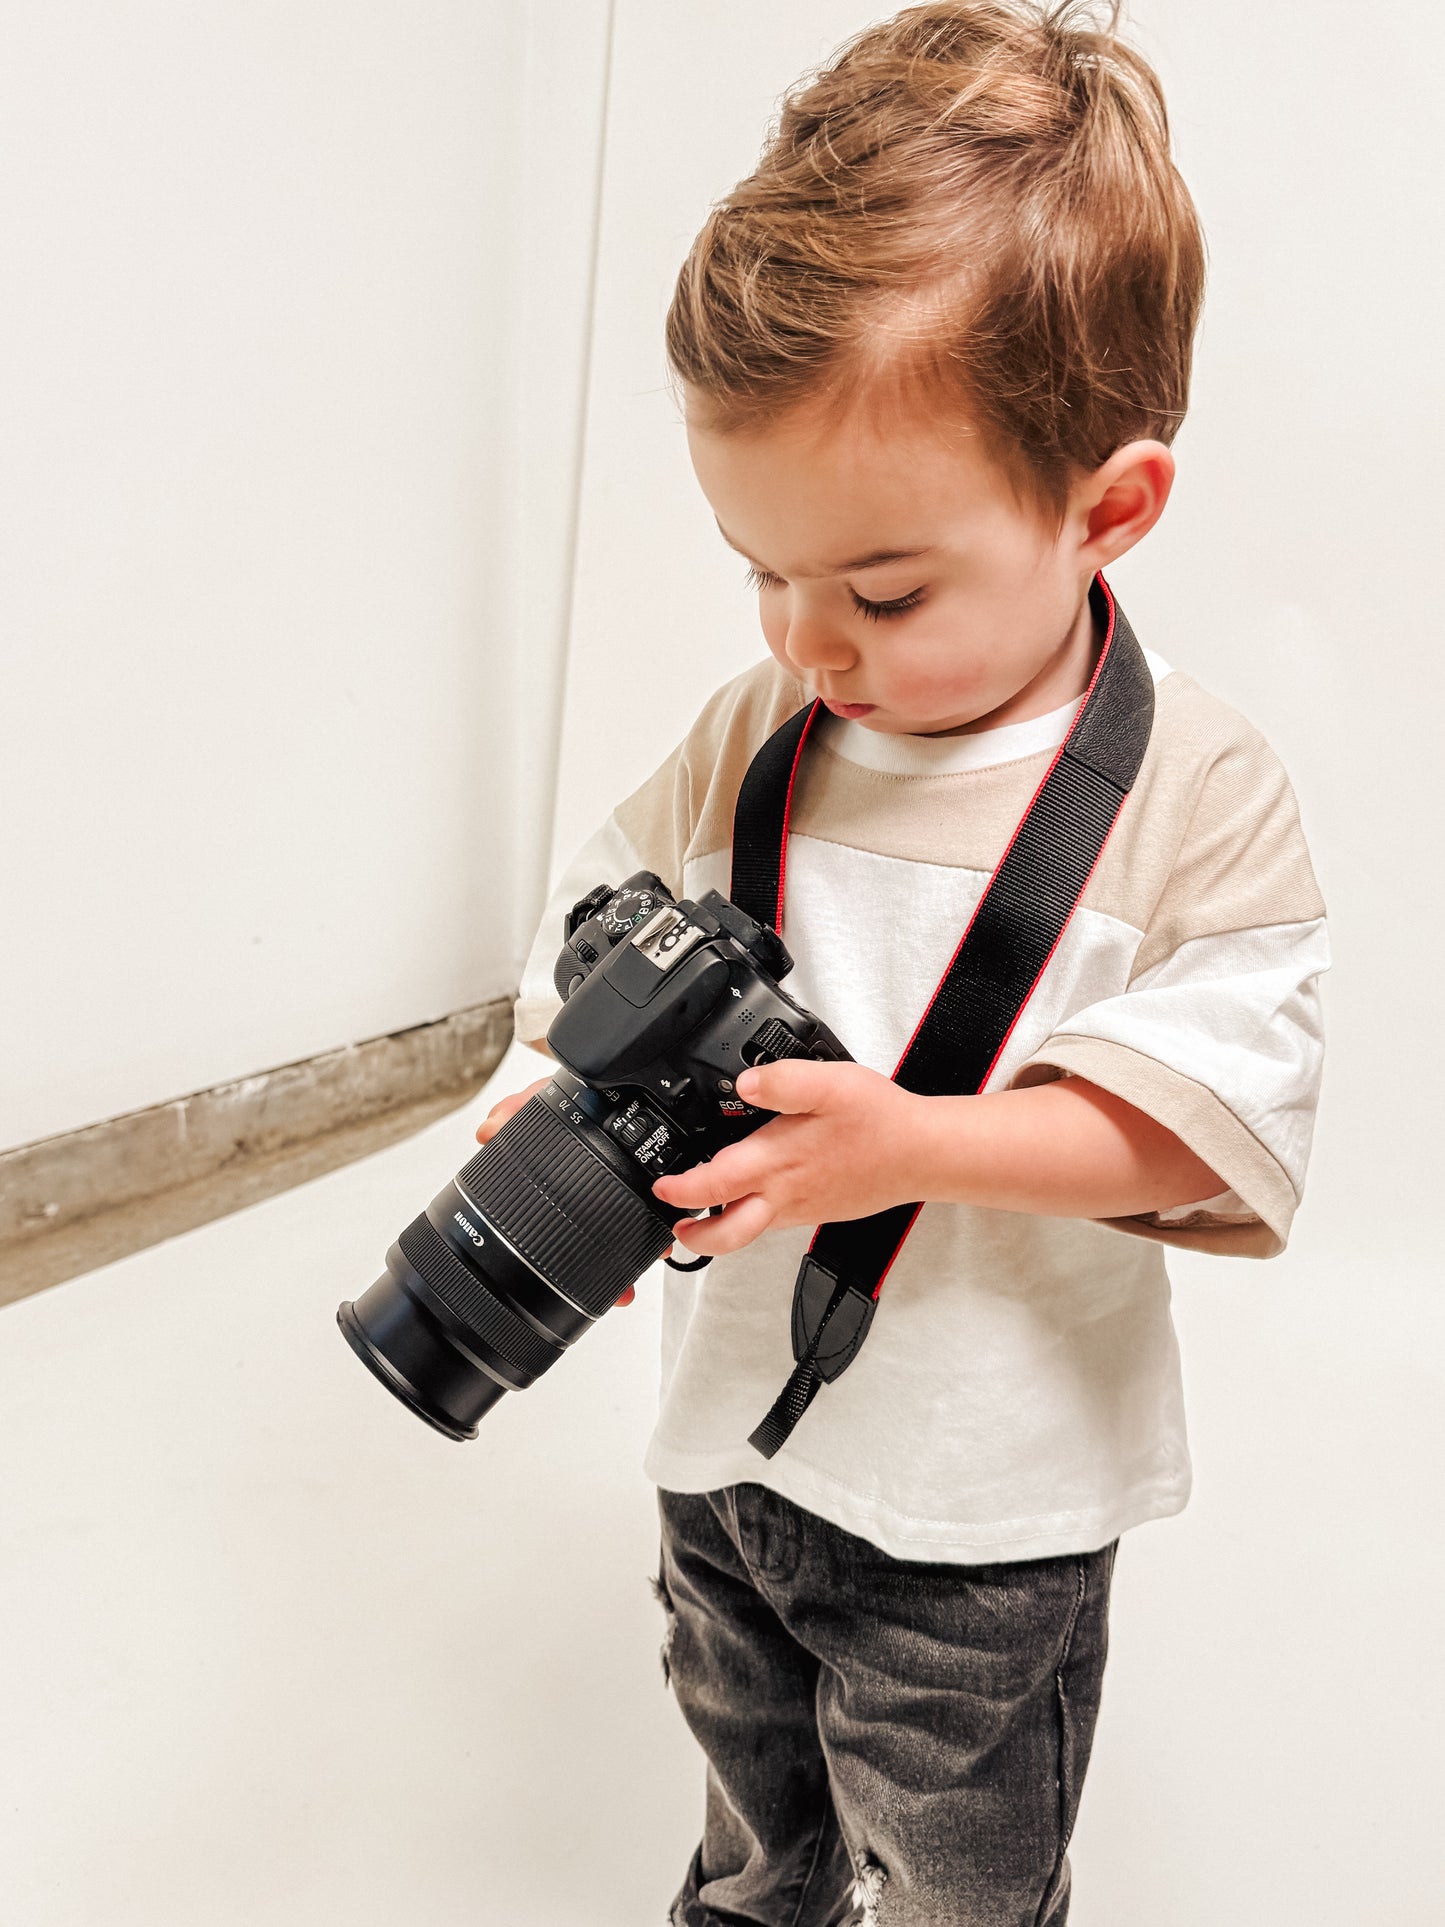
(1219, 1034)
(605, 857)
(685, 806)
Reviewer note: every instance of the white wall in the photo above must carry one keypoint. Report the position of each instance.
(292, 355)
(661, 615)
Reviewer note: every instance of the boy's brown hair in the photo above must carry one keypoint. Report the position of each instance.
(972, 209)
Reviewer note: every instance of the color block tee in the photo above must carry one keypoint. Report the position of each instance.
(1019, 1392)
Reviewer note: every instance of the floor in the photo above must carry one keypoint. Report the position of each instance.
(272, 1651)
(274, 1654)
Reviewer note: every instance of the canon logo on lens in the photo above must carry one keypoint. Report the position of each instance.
(470, 1229)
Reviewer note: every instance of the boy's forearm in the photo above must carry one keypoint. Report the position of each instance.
(1067, 1149)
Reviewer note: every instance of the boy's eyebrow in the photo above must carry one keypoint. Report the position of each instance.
(871, 561)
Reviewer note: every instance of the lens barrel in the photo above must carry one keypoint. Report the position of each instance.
(529, 1245)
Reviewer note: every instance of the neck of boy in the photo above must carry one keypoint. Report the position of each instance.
(1062, 678)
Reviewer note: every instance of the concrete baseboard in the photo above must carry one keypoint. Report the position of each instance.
(72, 1202)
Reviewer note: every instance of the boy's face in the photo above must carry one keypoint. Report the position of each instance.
(901, 573)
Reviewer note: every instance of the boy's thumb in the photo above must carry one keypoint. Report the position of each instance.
(787, 1086)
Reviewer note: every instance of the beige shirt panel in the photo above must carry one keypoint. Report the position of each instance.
(1208, 841)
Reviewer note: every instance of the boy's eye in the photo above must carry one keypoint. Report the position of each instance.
(877, 611)
(873, 611)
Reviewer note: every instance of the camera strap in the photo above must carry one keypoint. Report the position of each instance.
(1003, 953)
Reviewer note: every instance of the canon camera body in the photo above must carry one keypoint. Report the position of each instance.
(665, 1002)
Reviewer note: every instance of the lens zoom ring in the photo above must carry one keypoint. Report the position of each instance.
(478, 1310)
(567, 1212)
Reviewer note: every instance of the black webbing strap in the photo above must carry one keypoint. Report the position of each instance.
(1001, 956)
(760, 820)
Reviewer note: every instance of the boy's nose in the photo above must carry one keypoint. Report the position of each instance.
(814, 645)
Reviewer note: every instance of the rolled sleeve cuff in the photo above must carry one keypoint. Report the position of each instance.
(532, 1018)
(1210, 1129)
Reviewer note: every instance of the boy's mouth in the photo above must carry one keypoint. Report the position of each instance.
(849, 710)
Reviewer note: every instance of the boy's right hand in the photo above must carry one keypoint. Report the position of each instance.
(507, 1107)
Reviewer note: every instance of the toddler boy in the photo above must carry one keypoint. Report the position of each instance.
(931, 355)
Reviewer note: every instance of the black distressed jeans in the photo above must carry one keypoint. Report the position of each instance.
(887, 1741)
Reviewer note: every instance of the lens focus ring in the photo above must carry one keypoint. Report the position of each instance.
(568, 1213)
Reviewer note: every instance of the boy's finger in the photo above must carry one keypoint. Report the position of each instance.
(732, 1174)
(738, 1226)
(505, 1109)
(789, 1085)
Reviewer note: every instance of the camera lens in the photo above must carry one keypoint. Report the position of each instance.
(523, 1251)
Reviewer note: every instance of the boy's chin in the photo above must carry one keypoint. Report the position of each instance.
(882, 723)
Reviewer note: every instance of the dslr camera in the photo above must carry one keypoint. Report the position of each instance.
(665, 1002)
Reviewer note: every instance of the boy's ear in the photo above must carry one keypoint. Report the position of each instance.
(1120, 501)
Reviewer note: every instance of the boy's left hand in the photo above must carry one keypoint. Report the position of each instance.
(839, 1149)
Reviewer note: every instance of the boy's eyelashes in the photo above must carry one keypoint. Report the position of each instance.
(876, 611)
(873, 611)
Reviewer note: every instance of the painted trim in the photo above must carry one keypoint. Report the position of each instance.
(231, 1144)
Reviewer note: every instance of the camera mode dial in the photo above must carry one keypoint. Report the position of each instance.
(627, 909)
